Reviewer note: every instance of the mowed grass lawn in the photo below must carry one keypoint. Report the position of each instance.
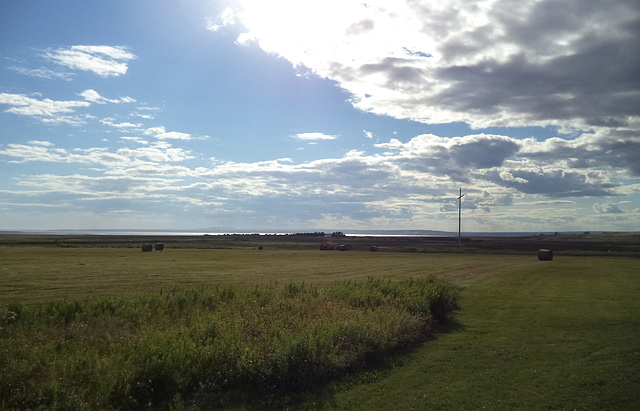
(537, 335)
(529, 334)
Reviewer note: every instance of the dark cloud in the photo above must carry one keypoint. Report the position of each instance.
(531, 63)
(619, 150)
(503, 63)
(552, 183)
(396, 70)
(486, 152)
(455, 157)
(598, 85)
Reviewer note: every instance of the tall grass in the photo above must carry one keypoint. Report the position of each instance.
(208, 346)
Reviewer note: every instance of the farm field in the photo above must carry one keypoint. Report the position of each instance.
(39, 274)
(529, 334)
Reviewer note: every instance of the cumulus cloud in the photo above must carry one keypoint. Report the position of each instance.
(487, 63)
(46, 110)
(105, 61)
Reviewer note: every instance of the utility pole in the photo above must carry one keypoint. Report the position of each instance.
(460, 217)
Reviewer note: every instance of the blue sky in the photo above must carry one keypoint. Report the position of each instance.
(334, 115)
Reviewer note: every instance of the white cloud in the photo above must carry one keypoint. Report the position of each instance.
(161, 133)
(174, 135)
(314, 136)
(110, 122)
(94, 97)
(367, 134)
(105, 61)
(46, 110)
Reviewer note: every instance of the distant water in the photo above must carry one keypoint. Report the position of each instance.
(359, 233)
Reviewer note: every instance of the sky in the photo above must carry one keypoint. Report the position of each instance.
(334, 115)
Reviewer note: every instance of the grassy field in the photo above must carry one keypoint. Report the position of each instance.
(559, 335)
(38, 274)
(529, 334)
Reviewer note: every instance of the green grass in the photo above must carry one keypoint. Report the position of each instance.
(529, 334)
(559, 335)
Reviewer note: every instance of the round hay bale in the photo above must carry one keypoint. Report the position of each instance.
(147, 248)
(545, 255)
(159, 246)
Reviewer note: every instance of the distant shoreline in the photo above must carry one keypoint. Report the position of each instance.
(347, 233)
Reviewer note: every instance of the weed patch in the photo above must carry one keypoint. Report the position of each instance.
(208, 346)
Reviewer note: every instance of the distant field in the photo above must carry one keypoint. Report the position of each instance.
(529, 335)
(38, 274)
